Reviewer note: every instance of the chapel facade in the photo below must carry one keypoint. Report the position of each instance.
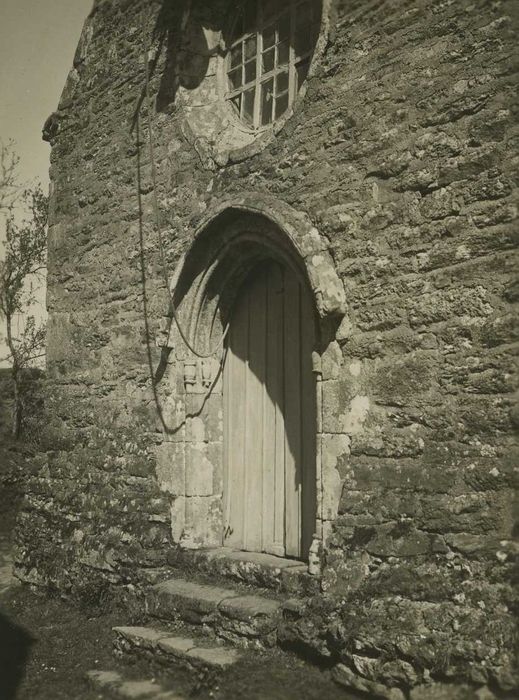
(281, 291)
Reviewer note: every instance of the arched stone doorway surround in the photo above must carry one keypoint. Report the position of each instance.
(233, 239)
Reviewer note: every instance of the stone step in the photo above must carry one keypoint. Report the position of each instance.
(244, 620)
(253, 568)
(114, 685)
(164, 647)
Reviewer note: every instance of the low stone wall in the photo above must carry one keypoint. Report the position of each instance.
(32, 392)
(6, 396)
(16, 457)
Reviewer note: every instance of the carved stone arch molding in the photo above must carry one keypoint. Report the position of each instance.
(234, 237)
(231, 238)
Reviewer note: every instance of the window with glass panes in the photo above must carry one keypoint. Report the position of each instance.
(270, 49)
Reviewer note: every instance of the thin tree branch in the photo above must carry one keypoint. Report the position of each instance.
(23, 263)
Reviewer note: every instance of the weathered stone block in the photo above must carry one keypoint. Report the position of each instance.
(349, 679)
(344, 410)
(392, 672)
(413, 375)
(170, 468)
(447, 691)
(332, 362)
(171, 420)
(214, 657)
(178, 598)
(207, 425)
(399, 540)
(249, 616)
(337, 395)
(335, 452)
(199, 470)
(203, 526)
(178, 518)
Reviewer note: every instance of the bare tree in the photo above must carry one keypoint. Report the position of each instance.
(22, 266)
(9, 188)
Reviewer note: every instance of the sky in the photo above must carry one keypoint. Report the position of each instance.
(38, 39)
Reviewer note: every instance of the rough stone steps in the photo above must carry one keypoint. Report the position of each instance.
(244, 620)
(280, 574)
(164, 647)
(114, 685)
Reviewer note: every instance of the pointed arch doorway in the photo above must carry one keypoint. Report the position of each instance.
(270, 415)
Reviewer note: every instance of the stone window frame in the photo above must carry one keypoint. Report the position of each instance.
(253, 34)
(211, 125)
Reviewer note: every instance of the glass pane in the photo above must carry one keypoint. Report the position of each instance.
(235, 78)
(268, 61)
(236, 103)
(236, 56)
(250, 48)
(303, 41)
(248, 105)
(302, 72)
(269, 36)
(267, 89)
(303, 14)
(249, 16)
(237, 30)
(281, 105)
(250, 71)
(283, 53)
(284, 27)
(281, 83)
(270, 8)
(288, 33)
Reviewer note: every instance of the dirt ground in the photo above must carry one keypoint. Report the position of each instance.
(48, 644)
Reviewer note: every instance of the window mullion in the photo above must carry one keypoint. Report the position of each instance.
(259, 54)
(276, 67)
(292, 56)
(256, 101)
(242, 102)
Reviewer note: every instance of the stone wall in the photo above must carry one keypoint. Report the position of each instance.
(399, 155)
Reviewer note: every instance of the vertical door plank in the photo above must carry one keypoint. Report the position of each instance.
(236, 426)
(274, 440)
(292, 367)
(309, 423)
(255, 411)
(270, 416)
(227, 388)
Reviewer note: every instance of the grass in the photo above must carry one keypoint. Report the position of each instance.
(49, 644)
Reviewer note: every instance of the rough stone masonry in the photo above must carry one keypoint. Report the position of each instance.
(392, 180)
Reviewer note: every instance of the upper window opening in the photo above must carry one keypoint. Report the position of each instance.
(270, 50)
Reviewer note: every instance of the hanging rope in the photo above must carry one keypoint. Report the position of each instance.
(149, 107)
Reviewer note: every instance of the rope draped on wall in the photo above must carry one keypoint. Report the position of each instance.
(151, 142)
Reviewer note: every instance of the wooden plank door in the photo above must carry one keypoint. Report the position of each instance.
(269, 416)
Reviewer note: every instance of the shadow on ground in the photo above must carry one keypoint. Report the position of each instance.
(15, 644)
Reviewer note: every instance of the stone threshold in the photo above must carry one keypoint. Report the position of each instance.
(252, 568)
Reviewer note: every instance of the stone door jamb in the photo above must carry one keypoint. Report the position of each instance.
(289, 235)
